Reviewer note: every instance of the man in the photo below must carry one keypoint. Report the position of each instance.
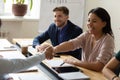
(61, 30)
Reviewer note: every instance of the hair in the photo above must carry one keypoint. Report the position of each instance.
(64, 9)
(103, 14)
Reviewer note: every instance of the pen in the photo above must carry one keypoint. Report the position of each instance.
(34, 70)
(62, 63)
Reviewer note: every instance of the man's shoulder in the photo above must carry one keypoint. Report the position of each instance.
(52, 26)
(72, 25)
(76, 28)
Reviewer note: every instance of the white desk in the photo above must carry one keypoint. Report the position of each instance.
(39, 75)
(5, 45)
(92, 74)
(23, 44)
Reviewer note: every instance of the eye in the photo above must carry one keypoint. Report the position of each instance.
(88, 20)
(94, 21)
(55, 16)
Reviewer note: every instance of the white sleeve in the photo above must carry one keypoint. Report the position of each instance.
(16, 65)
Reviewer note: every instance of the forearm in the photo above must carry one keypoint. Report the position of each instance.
(108, 73)
(15, 65)
(95, 66)
(64, 47)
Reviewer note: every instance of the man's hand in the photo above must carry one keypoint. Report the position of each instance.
(42, 47)
(49, 52)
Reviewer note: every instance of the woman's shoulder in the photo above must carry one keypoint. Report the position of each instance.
(109, 37)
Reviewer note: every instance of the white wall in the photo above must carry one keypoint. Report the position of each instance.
(76, 9)
(30, 28)
(20, 29)
(112, 6)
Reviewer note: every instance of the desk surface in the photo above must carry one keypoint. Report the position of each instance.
(39, 75)
(24, 75)
(92, 74)
(5, 45)
(23, 41)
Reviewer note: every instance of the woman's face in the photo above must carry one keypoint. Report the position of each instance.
(95, 24)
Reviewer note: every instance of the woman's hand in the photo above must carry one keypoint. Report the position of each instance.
(71, 60)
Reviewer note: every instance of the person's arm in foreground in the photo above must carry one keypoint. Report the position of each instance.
(16, 65)
(109, 68)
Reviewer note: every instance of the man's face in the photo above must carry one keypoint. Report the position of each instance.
(60, 18)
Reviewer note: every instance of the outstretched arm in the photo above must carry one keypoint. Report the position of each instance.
(64, 47)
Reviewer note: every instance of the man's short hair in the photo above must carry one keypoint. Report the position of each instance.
(64, 9)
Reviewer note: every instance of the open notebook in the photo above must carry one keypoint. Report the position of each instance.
(66, 71)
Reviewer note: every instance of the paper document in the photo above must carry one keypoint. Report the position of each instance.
(5, 45)
(8, 48)
(56, 63)
(29, 76)
(74, 76)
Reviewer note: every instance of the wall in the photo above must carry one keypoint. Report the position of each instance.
(76, 9)
(24, 29)
(112, 6)
(20, 29)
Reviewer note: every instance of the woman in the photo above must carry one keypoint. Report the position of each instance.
(97, 43)
(108, 70)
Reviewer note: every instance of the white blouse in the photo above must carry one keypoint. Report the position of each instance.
(102, 51)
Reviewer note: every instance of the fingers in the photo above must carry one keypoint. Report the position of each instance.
(42, 47)
(49, 52)
(70, 60)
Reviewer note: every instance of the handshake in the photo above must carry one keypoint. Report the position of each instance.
(49, 52)
(47, 49)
